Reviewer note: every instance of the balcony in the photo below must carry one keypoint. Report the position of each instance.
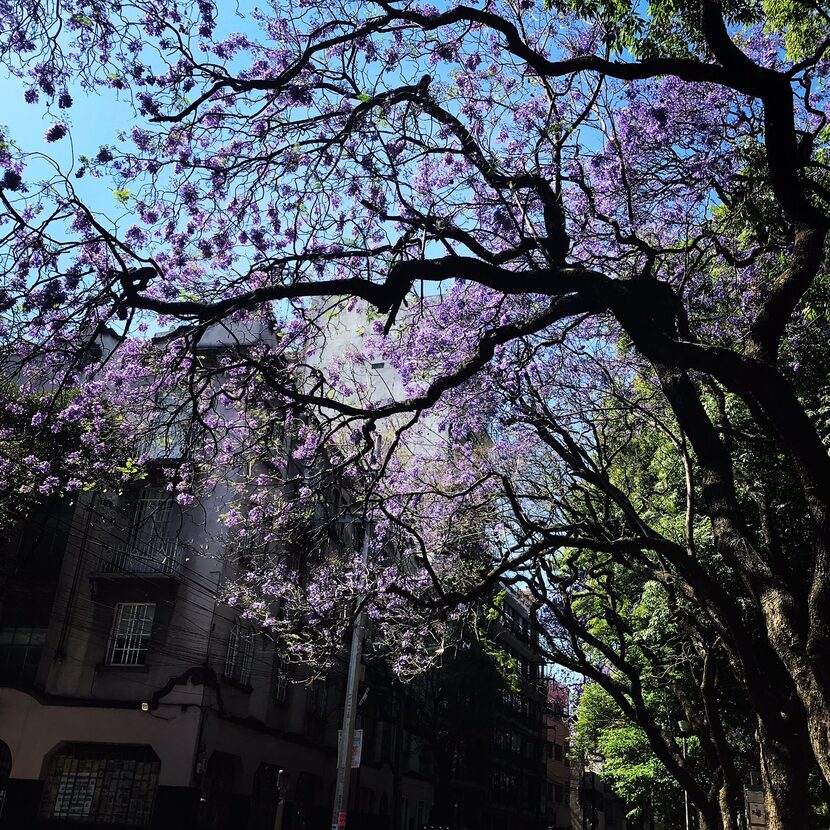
(163, 557)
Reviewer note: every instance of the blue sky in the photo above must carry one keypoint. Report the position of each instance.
(92, 120)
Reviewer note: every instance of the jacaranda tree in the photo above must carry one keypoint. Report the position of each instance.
(589, 237)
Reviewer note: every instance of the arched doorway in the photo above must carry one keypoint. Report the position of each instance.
(216, 808)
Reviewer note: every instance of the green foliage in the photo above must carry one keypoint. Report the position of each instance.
(671, 28)
(506, 666)
(629, 765)
(802, 25)
(495, 610)
(131, 470)
(664, 28)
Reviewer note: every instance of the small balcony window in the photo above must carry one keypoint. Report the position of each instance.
(21, 647)
(130, 635)
(280, 680)
(152, 545)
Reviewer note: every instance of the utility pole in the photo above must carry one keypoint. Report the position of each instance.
(344, 749)
(281, 788)
(686, 792)
(685, 729)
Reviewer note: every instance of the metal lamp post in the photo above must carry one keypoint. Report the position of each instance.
(685, 729)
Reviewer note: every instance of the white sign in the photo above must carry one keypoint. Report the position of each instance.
(357, 746)
(755, 809)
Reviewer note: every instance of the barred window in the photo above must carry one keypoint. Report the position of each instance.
(280, 680)
(130, 635)
(240, 651)
(108, 784)
(152, 545)
(21, 647)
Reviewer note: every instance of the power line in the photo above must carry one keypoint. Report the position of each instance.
(82, 617)
(81, 614)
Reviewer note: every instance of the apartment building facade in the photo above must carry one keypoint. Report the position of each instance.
(131, 697)
(492, 742)
(558, 763)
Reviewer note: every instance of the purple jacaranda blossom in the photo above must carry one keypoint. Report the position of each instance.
(55, 132)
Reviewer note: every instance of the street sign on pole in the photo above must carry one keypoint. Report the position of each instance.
(755, 809)
(357, 746)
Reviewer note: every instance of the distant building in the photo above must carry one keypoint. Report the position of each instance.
(594, 806)
(491, 741)
(558, 765)
(131, 697)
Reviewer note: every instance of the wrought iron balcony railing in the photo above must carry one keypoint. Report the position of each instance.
(159, 557)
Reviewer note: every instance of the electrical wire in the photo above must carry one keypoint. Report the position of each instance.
(85, 620)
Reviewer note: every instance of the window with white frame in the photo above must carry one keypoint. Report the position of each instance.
(130, 634)
(240, 652)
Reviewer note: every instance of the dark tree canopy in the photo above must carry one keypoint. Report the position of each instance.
(588, 242)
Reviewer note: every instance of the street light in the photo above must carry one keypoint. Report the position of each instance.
(685, 729)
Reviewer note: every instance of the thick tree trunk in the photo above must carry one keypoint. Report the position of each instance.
(709, 818)
(704, 823)
(782, 625)
(730, 804)
(785, 767)
(798, 630)
(818, 726)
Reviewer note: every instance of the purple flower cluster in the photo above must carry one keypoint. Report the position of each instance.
(55, 132)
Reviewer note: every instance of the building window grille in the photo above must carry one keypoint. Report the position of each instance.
(316, 700)
(100, 784)
(21, 647)
(152, 545)
(130, 635)
(240, 652)
(280, 680)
